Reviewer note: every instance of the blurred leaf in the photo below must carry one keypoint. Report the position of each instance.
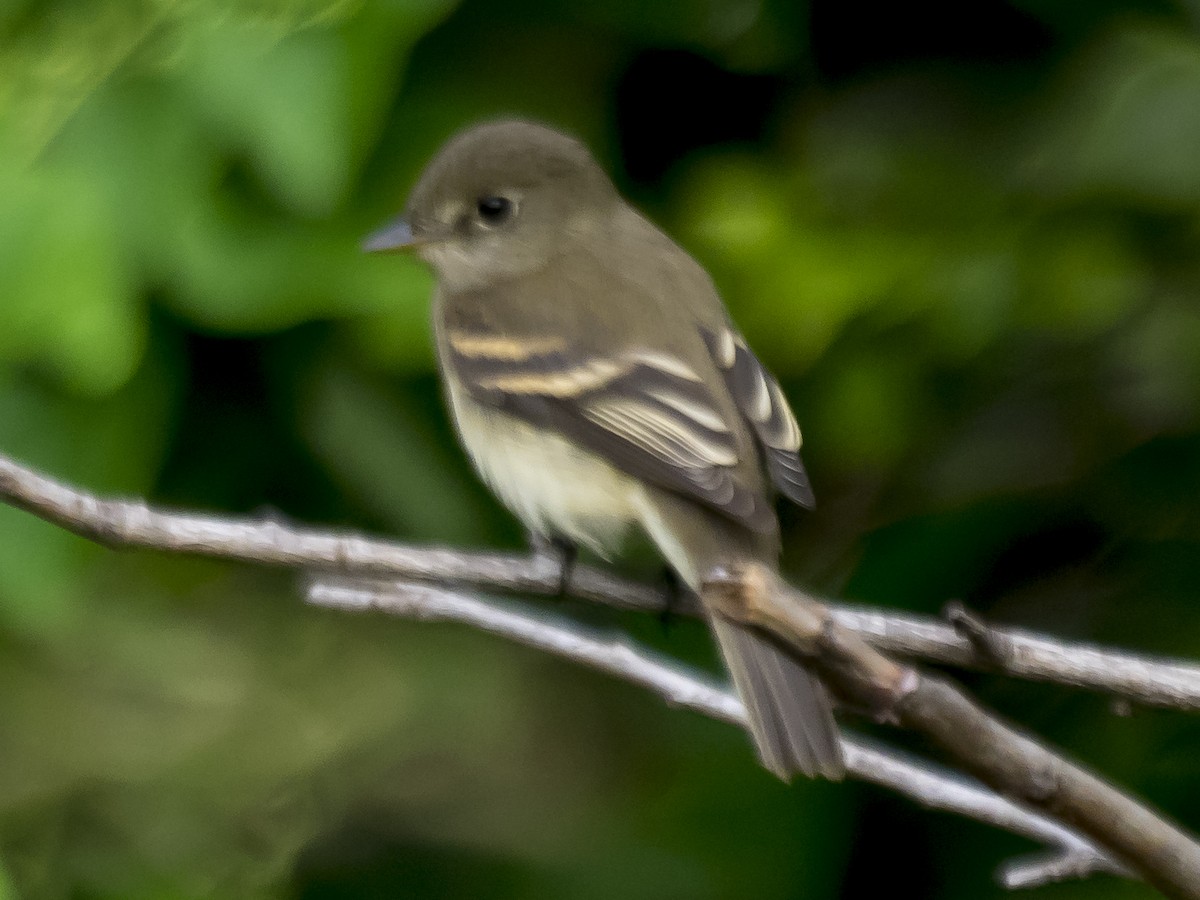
(1159, 367)
(382, 449)
(69, 298)
(55, 55)
(867, 416)
(1082, 282)
(279, 101)
(396, 335)
(1127, 120)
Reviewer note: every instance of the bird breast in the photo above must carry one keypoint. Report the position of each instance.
(552, 485)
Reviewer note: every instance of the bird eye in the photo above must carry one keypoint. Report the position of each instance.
(494, 210)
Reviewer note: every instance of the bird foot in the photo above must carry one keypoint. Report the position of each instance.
(562, 552)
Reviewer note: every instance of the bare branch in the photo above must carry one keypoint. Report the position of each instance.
(133, 524)
(999, 755)
(1070, 855)
(1006, 760)
(124, 523)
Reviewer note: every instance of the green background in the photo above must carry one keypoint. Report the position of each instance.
(965, 236)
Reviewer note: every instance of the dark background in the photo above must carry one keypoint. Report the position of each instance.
(964, 235)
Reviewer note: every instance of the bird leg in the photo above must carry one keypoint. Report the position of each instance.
(676, 593)
(563, 552)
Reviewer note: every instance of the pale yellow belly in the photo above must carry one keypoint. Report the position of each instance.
(550, 484)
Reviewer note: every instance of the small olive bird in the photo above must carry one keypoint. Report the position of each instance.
(598, 384)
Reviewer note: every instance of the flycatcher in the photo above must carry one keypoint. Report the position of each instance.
(598, 384)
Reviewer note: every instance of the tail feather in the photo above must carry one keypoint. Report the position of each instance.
(788, 709)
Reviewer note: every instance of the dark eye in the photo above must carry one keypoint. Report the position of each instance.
(494, 210)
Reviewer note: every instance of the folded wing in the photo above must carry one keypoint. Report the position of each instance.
(761, 401)
(648, 413)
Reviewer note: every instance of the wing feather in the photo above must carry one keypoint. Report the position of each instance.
(760, 399)
(647, 412)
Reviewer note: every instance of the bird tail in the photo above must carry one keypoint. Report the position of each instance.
(788, 709)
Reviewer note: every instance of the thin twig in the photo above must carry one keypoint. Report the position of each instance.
(1070, 856)
(1041, 869)
(122, 523)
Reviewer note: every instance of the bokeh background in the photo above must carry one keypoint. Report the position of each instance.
(965, 235)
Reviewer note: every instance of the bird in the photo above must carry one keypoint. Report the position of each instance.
(599, 385)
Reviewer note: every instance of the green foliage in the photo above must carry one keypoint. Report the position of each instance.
(974, 266)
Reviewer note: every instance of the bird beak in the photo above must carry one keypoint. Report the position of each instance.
(395, 237)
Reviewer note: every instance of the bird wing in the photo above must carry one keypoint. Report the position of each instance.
(761, 401)
(648, 413)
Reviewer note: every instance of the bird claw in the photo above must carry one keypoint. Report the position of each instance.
(562, 552)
